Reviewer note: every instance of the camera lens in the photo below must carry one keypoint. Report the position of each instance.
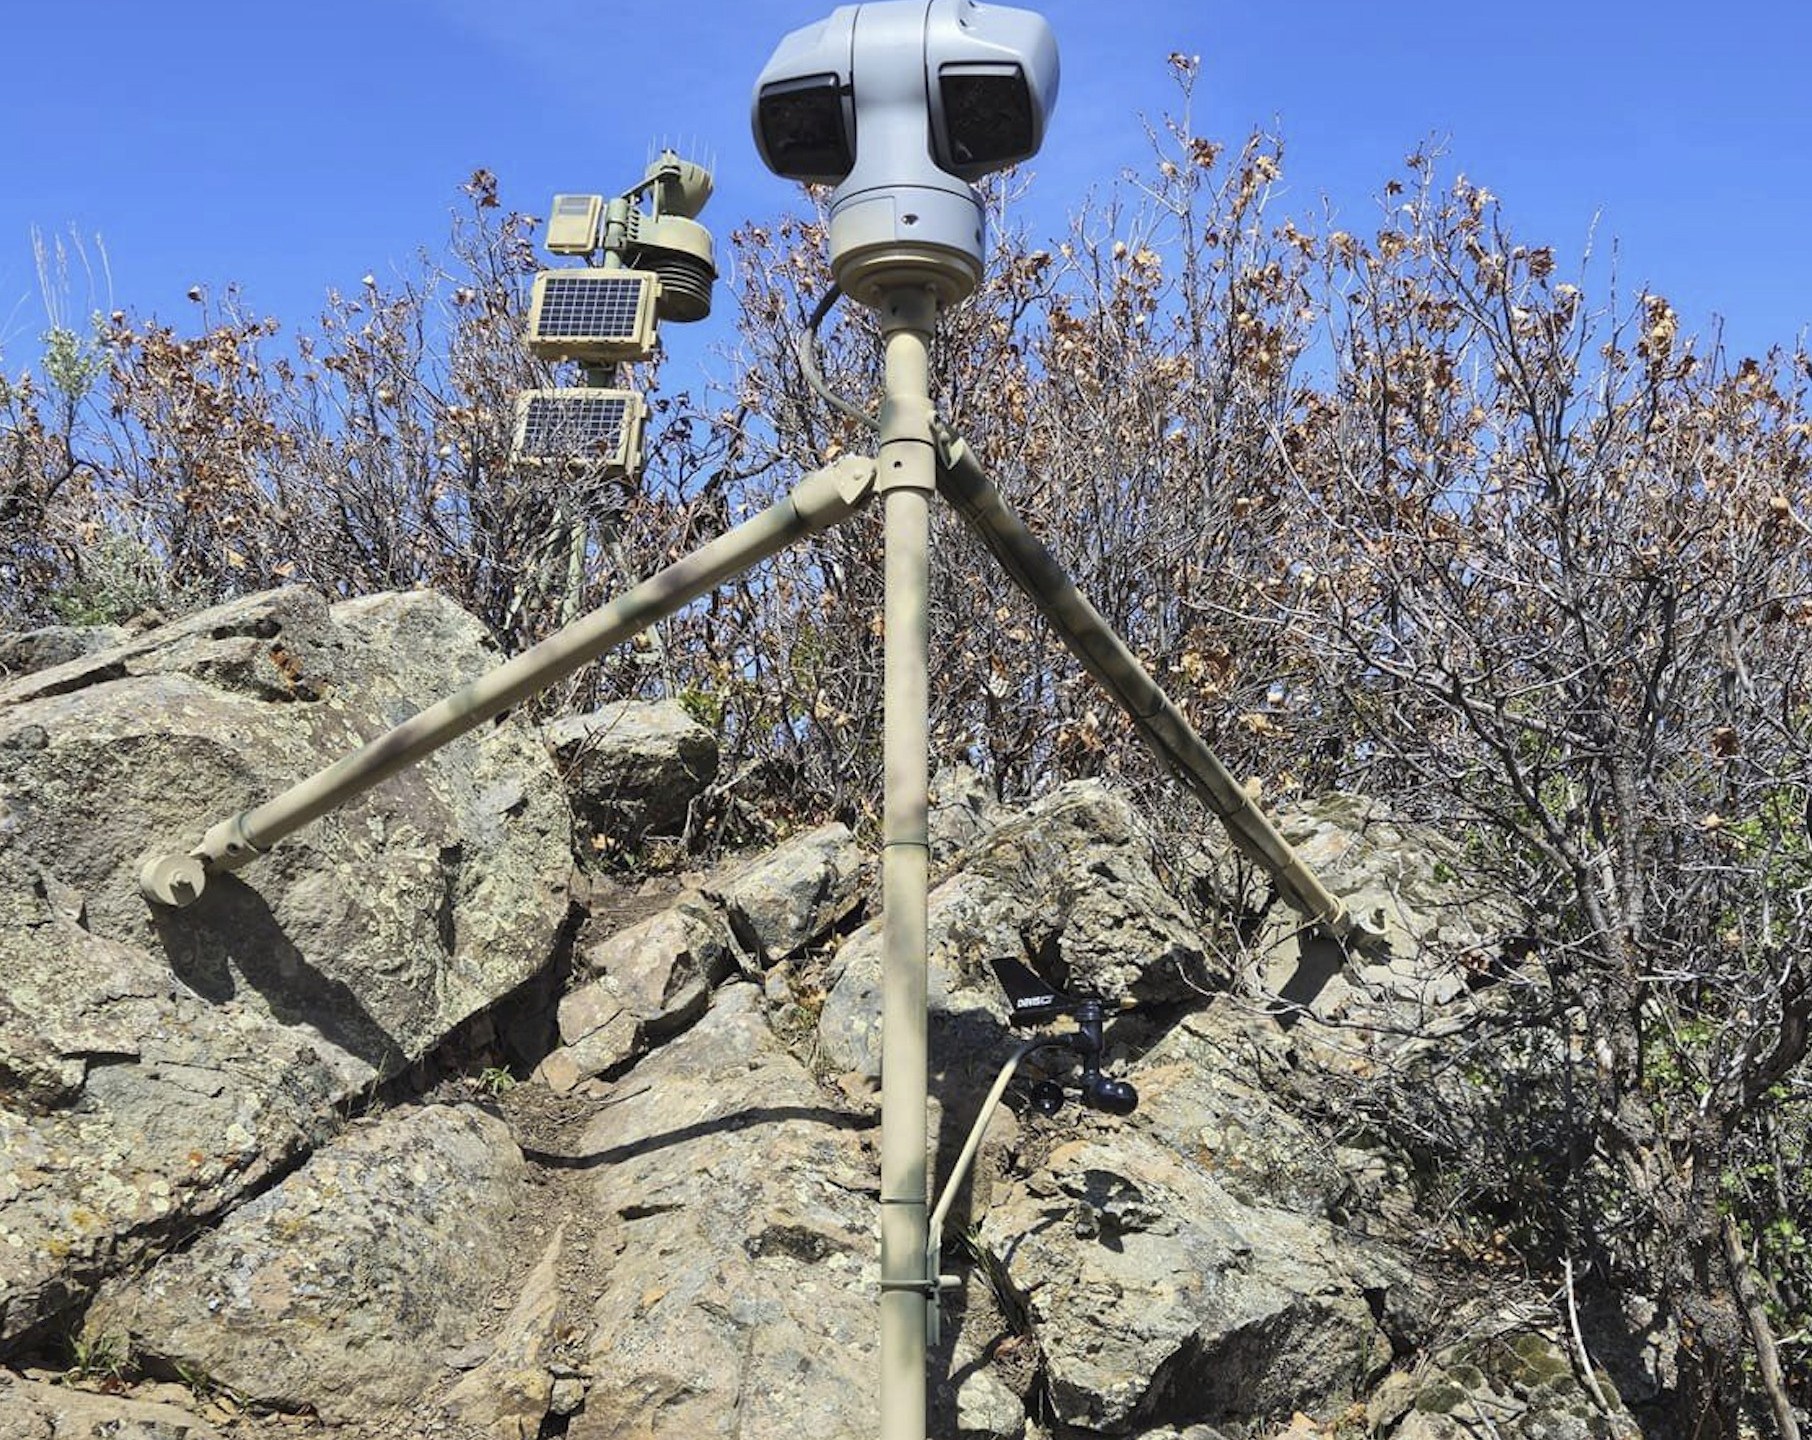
(802, 131)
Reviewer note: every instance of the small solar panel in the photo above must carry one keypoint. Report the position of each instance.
(593, 316)
(605, 306)
(583, 429)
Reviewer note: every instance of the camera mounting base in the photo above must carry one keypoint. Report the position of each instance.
(876, 247)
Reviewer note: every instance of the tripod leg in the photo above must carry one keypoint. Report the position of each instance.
(1089, 637)
(817, 502)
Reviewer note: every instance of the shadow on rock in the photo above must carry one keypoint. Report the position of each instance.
(722, 1125)
(231, 931)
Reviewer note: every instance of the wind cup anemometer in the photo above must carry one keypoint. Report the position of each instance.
(1031, 1002)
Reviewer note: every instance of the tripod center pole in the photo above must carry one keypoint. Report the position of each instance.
(908, 476)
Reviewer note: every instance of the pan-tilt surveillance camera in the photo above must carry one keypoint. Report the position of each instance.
(900, 105)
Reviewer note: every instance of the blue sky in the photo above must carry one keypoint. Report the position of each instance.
(296, 147)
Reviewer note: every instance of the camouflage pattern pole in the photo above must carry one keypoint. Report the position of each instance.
(817, 502)
(1155, 716)
(907, 482)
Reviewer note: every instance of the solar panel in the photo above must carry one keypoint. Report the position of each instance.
(581, 429)
(595, 317)
(605, 306)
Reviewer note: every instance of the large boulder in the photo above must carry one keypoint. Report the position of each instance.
(154, 1065)
(636, 987)
(25, 651)
(633, 768)
(1193, 1264)
(1158, 1297)
(780, 901)
(341, 1289)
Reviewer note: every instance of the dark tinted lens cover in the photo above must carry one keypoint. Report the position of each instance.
(987, 114)
(803, 131)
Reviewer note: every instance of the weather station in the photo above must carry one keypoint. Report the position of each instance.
(900, 106)
(643, 266)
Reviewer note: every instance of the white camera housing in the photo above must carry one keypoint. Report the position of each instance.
(899, 105)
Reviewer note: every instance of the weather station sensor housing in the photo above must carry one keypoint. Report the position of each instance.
(594, 317)
(589, 429)
(900, 105)
(664, 240)
(667, 239)
(573, 224)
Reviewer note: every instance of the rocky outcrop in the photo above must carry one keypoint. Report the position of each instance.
(963, 809)
(155, 1066)
(341, 1289)
(669, 1228)
(1517, 1381)
(1192, 1263)
(1439, 932)
(640, 985)
(512, 1390)
(632, 768)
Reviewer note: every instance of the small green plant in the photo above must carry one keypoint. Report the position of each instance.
(704, 706)
(118, 579)
(495, 1080)
(204, 1387)
(72, 362)
(98, 1358)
